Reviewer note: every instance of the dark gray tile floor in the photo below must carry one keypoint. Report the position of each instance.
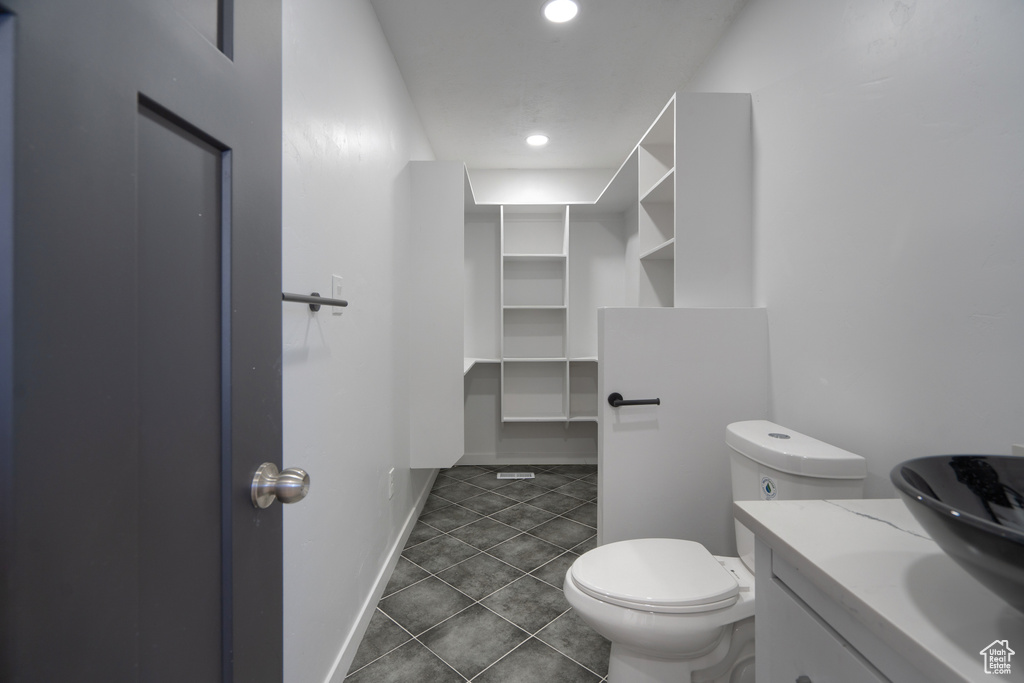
(477, 594)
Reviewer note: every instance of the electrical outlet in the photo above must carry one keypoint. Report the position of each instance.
(391, 483)
(336, 293)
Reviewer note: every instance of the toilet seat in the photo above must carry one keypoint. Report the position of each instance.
(664, 575)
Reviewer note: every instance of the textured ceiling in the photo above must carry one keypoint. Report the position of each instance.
(484, 74)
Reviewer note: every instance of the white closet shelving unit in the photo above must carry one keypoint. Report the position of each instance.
(534, 304)
(656, 186)
(671, 229)
(548, 333)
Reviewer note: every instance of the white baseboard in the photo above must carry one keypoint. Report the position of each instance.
(528, 459)
(355, 637)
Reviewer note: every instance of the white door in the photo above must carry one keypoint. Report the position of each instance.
(663, 470)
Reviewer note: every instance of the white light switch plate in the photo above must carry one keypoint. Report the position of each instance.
(1018, 449)
(336, 293)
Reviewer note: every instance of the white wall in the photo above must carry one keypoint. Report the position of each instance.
(349, 131)
(889, 218)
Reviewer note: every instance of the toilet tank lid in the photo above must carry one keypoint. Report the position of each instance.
(790, 451)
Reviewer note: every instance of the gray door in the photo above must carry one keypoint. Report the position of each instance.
(140, 301)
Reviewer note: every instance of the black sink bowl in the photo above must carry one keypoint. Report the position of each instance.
(973, 507)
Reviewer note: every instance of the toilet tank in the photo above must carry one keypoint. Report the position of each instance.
(769, 462)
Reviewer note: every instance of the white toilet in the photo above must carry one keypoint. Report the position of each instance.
(673, 611)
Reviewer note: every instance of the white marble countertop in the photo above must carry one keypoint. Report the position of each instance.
(874, 560)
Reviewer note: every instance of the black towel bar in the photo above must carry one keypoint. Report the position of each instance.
(314, 300)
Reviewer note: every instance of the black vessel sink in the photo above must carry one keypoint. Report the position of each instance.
(973, 507)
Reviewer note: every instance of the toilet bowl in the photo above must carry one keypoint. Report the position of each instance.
(673, 611)
(669, 607)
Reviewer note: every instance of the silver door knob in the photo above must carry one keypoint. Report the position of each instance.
(268, 485)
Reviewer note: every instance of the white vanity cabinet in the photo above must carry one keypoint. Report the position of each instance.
(801, 646)
(854, 591)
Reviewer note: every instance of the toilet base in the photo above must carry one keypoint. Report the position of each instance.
(626, 666)
(730, 661)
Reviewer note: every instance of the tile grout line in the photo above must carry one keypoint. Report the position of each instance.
(479, 602)
(583, 501)
(519, 532)
(493, 557)
(529, 635)
(564, 654)
(402, 644)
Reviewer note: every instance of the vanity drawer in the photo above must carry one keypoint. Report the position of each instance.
(794, 645)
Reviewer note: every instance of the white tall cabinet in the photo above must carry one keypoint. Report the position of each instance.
(714, 201)
(435, 313)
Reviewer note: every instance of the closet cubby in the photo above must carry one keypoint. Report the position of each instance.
(533, 231)
(657, 151)
(657, 277)
(583, 390)
(657, 221)
(534, 391)
(534, 333)
(534, 280)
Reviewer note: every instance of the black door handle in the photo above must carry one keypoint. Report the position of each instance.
(615, 400)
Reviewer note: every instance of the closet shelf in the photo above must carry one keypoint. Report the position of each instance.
(468, 363)
(534, 257)
(661, 192)
(535, 360)
(662, 252)
(527, 307)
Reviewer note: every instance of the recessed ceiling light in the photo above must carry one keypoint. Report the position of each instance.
(560, 11)
(537, 140)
